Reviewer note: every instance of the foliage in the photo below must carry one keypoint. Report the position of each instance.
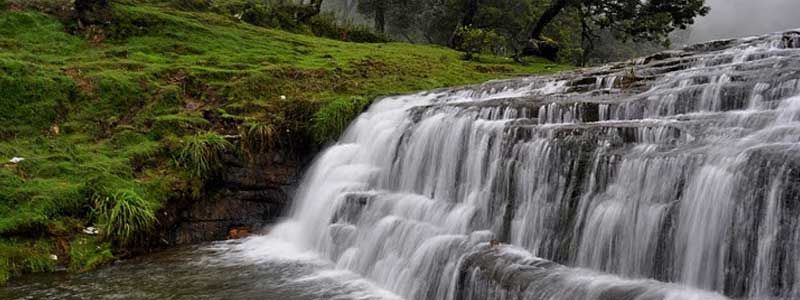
(479, 41)
(575, 25)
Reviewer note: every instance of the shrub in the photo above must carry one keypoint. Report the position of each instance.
(201, 154)
(477, 41)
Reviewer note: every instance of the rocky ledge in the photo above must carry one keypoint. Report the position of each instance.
(246, 197)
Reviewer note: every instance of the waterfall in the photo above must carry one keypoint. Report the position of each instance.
(675, 176)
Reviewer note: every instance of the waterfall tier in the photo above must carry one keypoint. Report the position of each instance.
(675, 176)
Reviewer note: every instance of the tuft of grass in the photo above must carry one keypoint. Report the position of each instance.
(124, 215)
(201, 154)
(257, 138)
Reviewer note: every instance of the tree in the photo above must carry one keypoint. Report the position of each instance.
(649, 20)
(378, 9)
(307, 11)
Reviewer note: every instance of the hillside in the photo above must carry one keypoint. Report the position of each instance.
(111, 128)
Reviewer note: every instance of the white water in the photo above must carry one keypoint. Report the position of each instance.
(678, 182)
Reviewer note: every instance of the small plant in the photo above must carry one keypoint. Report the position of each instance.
(256, 138)
(124, 215)
(201, 154)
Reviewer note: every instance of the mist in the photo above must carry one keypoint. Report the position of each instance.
(739, 18)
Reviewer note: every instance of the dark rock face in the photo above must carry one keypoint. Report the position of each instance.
(247, 196)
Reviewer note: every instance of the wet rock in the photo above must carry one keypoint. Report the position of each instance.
(791, 39)
(238, 232)
(246, 197)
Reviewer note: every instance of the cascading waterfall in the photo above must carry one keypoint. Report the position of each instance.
(675, 176)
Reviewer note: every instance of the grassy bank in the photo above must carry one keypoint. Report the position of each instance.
(112, 127)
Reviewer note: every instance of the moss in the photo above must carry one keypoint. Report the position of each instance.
(179, 124)
(335, 116)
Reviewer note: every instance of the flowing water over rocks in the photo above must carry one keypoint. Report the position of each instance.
(675, 176)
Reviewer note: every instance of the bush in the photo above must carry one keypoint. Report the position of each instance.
(479, 41)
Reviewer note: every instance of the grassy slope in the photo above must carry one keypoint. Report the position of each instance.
(91, 117)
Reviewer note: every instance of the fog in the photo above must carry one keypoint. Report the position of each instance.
(738, 18)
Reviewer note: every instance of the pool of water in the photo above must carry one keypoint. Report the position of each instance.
(254, 268)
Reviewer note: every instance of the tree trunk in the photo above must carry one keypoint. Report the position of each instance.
(308, 11)
(551, 13)
(471, 9)
(380, 16)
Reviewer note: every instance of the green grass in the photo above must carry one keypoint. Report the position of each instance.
(201, 154)
(98, 124)
(124, 214)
